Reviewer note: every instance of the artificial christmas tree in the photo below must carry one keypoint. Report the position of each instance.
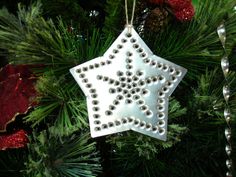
(57, 126)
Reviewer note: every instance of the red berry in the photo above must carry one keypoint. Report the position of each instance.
(185, 14)
(178, 5)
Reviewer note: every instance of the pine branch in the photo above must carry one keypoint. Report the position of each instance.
(40, 41)
(207, 102)
(133, 150)
(72, 156)
(59, 105)
(196, 45)
(113, 21)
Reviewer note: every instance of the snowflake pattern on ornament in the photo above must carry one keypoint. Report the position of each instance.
(128, 88)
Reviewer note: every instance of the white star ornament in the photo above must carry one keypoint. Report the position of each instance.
(128, 88)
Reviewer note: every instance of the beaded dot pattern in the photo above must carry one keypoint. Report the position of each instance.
(128, 88)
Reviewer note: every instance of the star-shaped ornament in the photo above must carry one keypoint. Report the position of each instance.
(128, 88)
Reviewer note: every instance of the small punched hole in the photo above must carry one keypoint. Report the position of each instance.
(135, 78)
(119, 73)
(108, 113)
(130, 119)
(111, 107)
(165, 68)
(110, 124)
(143, 55)
(153, 63)
(96, 109)
(135, 46)
(115, 51)
(129, 67)
(111, 81)
(159, 65)
(148, 126)
(136, 122)
(92, 90)
(160, 78)
(161, 115)
(141, 83)
(144, 91)
(104, 126)
(148, 113)
(82, 75)
(124, 120)
(148, 81)
(119, 89)
(140, 102)
(119, 46)
(139, 73)
(91, 67)
(96, 65)
(111, 56)
(128, 35)
(128, 101)
(154, 79)
(120, 97)
(112, 91)
(116, 102)
(140, 50)
(129, 54)
(161, 131)
(133, 40)
(161, 94)
(97, 128)
(117, 83)
(78, 70)
(178, 73)
(96, 116)
(161, 123)
(143, 108)
(108, 62)
(142, 124)
(117, 123)
(94, 102)
(128, 60)
(85, 69)
(99, 77)
(154, 129)
(128, 73)
(123, 85)
(138, 89)
(123, 40)
(146, 60)
(94, 95)
(97, 122)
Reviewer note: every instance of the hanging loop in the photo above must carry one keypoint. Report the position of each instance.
(129, 25)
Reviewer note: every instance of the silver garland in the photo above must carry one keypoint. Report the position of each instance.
(226, 93)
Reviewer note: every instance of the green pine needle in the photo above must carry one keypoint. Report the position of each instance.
(59, 105)
(208, 102)
(51, 156)
(31, 39)
(196, 44)
(133, 150)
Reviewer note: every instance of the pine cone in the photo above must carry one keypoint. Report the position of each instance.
(157, 19)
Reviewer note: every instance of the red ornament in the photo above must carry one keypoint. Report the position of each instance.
(178, 5)
(17, 93)
(18, 139)
(185, 14)
(158, 2)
